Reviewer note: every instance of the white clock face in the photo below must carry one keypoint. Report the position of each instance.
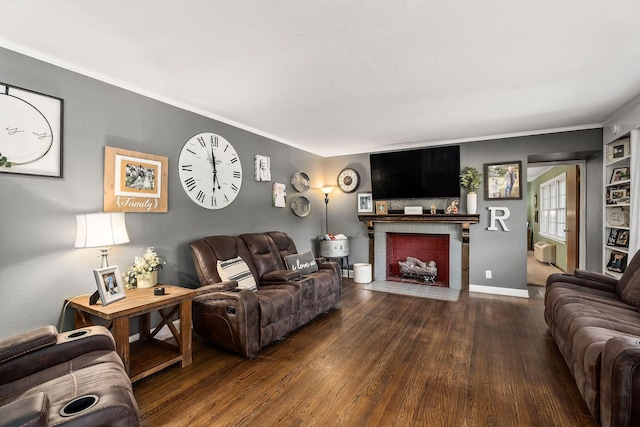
(348, 180)
(210, 170)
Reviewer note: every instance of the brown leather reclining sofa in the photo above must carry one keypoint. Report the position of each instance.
(243, 320)
(73, 378)
(595, 323)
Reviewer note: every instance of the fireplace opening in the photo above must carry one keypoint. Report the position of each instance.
(424, 247)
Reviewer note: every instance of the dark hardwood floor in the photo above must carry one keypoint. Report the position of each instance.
(382, 360)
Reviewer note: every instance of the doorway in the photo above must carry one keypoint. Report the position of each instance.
(555, 213)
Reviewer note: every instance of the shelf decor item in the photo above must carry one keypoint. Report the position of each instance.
(470, 181)
(144, 271)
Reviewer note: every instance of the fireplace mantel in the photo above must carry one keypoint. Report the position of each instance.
(465, 221)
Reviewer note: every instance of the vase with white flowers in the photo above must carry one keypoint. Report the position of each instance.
(144, 271)
(470, 180)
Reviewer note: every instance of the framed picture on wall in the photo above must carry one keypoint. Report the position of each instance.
(134, 182)
(502, 181)
(31, 137)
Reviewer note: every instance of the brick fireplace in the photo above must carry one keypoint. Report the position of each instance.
(425, 247)
(455, 226)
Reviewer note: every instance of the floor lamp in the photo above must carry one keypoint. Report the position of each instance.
(326, 191)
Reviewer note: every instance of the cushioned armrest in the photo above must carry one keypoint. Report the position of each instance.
(596, 277)
(68, 346)
(592, 280)
(26, 342)
(620, 382)
(279, 276)
(32, 411)
(217, 287)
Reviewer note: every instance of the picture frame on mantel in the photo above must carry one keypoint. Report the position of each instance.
(134, 181)
(502, 181)
(365, 203)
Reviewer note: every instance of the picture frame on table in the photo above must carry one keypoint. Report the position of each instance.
(109, 282)
(503, 180)
(365, 203)
(31, 140)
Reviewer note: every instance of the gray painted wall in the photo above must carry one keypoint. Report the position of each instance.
(39, 267)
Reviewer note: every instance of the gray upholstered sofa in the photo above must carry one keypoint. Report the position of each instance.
(74, 378)
(249, 298)
(595, 323)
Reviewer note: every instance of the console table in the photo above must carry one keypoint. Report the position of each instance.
(147, 355)
(465, 221)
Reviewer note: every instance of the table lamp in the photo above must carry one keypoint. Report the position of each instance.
(101, 230)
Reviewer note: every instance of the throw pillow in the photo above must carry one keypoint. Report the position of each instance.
(304, 263)
(238, 270)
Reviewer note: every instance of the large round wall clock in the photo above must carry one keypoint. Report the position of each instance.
(348, 180)
(210, 170)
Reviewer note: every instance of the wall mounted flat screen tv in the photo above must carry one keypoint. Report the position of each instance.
(416, 174)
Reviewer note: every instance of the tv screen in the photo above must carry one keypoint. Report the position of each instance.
(416, 174)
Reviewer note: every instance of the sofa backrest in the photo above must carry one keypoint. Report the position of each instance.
(284, 244)
(628, 287)
(207, 251)
(263, 252)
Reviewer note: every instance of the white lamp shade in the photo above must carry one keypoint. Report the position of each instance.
(101, 229)
(327, 190)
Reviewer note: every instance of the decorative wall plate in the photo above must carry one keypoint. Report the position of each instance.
(300, 182)
(300, 206)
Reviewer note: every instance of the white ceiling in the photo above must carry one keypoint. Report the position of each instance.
(352, 76)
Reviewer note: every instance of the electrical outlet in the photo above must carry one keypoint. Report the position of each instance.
(487, 274)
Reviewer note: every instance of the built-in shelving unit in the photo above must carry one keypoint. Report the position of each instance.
(618, 169)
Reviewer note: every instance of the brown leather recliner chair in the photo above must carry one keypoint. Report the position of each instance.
(245, 321)
(74, 378)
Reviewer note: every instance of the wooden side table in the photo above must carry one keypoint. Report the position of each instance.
(148, 355)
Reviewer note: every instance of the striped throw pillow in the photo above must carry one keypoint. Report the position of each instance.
(237, 269)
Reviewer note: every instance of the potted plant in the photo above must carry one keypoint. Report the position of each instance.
(144, 271)
(470, 180)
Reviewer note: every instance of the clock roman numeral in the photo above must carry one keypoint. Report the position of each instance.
(200, 197)
(226, 199)
(214, 141)
(236, 174)
(187, 168)
(234, 188)
(235, 159)
(225, 148)
(191, 183)
(201, 141)
(214, 202)
(191, 151)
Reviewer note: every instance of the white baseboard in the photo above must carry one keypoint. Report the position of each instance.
(162, 335)
(521, 293)
(348, 273)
